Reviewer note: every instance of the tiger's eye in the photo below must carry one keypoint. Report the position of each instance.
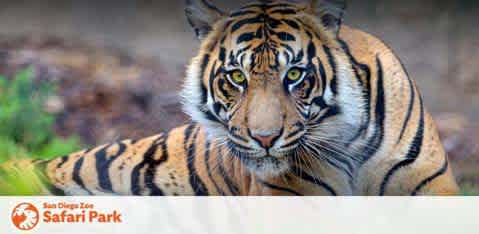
(294, 74)
(238, 76)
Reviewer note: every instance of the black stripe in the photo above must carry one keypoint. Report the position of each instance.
(413, 153)
(311, 51)
(275, 187)
(291, 23)
(282, 5)
(298, 57)
(241, 23)
(271, 22)
(242, 57)
(409, 111)
(332, 63)
(253, 5)
(440, 172)
(242, 13)
(245, 37)
(319, 101)
(153, 165)
(76, 175)
(64, 159)
(231, 186)
(188, 131)
(217, 107)
(103, 166)
(284, 36)
(195, 181)
(376, 140)
(212, 78)
(208, 168)
(322, 72)
(222, 55)
(204, 91)
(233, 59)
(305, 176)
(284, 11)
(135, 173)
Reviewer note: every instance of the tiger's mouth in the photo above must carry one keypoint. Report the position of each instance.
(264, 164)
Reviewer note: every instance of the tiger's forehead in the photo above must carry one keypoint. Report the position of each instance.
(262, 37)
(267, 16)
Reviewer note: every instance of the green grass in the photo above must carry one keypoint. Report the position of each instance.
(20, 180)
(27, 132)
(26, 129)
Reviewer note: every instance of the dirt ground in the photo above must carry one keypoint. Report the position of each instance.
(139, 49)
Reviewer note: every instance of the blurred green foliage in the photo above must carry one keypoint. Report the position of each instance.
(26, 132)
(26, 129)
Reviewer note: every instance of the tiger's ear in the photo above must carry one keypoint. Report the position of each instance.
(201, 15)
(330, 13)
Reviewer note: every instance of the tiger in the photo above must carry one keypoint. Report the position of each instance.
(284, 100)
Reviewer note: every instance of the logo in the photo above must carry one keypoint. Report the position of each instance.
(25, 216)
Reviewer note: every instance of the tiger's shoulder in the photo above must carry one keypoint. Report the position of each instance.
(411, 148)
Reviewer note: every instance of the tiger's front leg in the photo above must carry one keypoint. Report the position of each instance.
(165, 164)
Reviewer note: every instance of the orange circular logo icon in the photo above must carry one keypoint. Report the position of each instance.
(25, 216)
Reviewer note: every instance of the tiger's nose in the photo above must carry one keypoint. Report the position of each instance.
(266, 140)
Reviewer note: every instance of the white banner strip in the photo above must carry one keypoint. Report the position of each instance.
(231, 215)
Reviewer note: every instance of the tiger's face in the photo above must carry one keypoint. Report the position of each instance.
(271, 83)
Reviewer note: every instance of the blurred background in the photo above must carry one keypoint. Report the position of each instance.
(82, 73)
